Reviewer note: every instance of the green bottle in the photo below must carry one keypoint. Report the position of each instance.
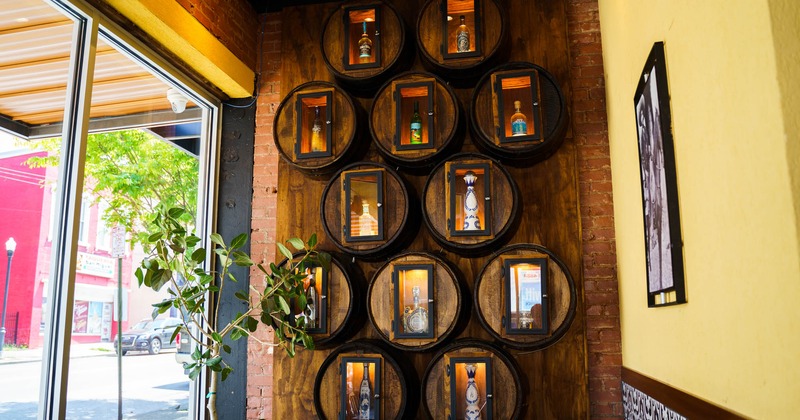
(416, 125)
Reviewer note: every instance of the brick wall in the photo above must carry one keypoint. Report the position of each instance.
(590, 130)
(234, 23)
(265, 207)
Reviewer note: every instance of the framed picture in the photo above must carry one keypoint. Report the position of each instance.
(662, 229)
(360, 386)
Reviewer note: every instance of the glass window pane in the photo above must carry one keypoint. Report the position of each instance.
(140, 154)
(35, 45)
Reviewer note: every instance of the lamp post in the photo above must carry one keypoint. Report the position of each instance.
(11, 245)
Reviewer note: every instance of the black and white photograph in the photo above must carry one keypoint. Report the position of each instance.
(663, 245)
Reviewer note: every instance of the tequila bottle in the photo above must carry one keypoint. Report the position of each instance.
(364, 46)
(462, 36)
(367, 224)
(473, 411)
(519, 123)
(471, 220)
(416, 320)
(416, 125)
(365, 395)
(312, 302)
(317, 142)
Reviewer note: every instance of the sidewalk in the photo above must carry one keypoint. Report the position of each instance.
(76, 350)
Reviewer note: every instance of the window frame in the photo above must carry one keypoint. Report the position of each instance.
(90, 25)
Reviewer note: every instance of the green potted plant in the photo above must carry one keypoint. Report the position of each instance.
(177, 261)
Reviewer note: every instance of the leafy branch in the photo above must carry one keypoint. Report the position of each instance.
(178, 262)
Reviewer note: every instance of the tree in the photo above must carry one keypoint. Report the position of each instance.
(134, 172)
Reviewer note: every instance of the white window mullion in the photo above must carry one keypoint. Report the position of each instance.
(58, 333)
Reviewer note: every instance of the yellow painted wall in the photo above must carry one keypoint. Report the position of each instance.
(732, 69)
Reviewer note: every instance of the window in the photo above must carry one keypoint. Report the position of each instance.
(85, 80)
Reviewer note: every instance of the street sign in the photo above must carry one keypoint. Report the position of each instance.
(118, 242)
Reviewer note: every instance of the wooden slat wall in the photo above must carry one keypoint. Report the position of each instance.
(556, 376)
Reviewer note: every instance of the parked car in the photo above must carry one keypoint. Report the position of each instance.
(149, 335)
(183, 353)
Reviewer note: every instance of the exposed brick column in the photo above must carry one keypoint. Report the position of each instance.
(265, 208)
(590, 127)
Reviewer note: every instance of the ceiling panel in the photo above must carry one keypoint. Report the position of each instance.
(35, 43)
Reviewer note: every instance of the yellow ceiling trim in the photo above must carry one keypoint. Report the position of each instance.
(170, 24)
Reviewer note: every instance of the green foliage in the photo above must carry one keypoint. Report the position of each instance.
(178, 261)
(134, 172)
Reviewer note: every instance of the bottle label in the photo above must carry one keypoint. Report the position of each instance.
(462, 42)
(365, 49)
(416, 133)
(519, 127)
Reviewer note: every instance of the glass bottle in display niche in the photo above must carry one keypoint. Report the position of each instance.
(460, 29)
(469, 208)
(468, 383)
(362, 205)
(518, 108)
(314, 111)
(360, 387)
(413, 314)
(525, 296)
(362, 37)
(315, 312)
(414, 115)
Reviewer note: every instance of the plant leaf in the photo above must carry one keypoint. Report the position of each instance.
(239, 240)
(217, 239)
(284, 251)
(297, 243)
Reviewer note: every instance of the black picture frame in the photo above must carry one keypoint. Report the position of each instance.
(662, 228)
(459, 383)
(352, 35)
(352, 196)
(399, 306)
(483, 195)
(517, 290)
(346, 393)
(403, 120)
(303, 126)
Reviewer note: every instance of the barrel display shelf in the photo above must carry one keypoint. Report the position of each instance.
(486, 128)
(508, 384)
(340, 297)
(558, 297)
(501, 202)
(489, 38)
(387, 32)
(444, 304)
(441, 120)
(396, 398)
(394, 212)
(342, 126)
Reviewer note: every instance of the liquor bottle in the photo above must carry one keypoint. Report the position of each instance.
(519, 124)
(367, 224)
(473, 411)
(471, 220)
(462, 37)
(416, 320)
(312, 303)
(416, 125)
(364, 46)
(365, 395)
(317, 142)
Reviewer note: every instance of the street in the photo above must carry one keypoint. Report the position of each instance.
(154, 387)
